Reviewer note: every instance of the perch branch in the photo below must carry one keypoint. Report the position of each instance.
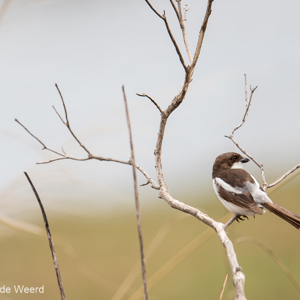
(284, 176)
(238, 276)
(51, 244)
(136, 196)
(231, 137)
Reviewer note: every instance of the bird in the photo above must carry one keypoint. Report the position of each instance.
(240, 192)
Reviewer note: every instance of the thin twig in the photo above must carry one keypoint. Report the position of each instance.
(223, 287)
(164, 18)
(67, 123)
(136, 195)
(178, 13)
(156, 12)
(202, 33)
(63, 102)
(284, 176)
(231, 137)
(152, 100)
(51, 244)
(246, 112)
(64, 156)
(44, 146)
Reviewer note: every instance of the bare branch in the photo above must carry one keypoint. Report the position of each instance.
(64, 156)
(231, 137)
(182, 26)
(230, 222)
(67, 123)
(153, 101)
(247, 109)
(137, 203)
(64, 105)
(51, 244)
(44, 146)
(185, 252)
(59, 116)
(284, 176)
(164, 18)
(156, 12)
(238, 276)
(202, 32)
(174, 41)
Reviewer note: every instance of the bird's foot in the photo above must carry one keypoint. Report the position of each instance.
(241, 218)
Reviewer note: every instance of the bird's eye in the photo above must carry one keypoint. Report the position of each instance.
(235, 157)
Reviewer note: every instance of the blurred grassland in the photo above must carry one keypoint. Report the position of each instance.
(96, 253)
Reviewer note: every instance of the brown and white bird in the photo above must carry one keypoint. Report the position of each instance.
(240, 193)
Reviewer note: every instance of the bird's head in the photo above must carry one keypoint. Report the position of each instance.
(229, 160)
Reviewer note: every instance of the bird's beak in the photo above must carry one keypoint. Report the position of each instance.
(244, 160)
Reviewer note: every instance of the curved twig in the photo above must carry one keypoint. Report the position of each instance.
(153, 101)
(51, 244)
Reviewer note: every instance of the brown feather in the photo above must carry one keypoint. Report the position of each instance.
(244, 200)
(284, 214)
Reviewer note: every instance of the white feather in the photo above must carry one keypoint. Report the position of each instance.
(226, 186)
(237, 165)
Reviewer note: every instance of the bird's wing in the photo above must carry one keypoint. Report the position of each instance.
(242, 199)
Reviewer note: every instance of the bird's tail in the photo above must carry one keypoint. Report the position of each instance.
(283, 214)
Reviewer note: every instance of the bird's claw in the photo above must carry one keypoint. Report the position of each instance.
(241, 218)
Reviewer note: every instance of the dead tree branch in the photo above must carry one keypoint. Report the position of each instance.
(51, 244)
(238, 276)
(63, 155)
(153, 101)
(136, 196)
(164, 18)
(181, 21)
(231, 137)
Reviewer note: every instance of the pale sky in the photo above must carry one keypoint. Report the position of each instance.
(91, 48)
